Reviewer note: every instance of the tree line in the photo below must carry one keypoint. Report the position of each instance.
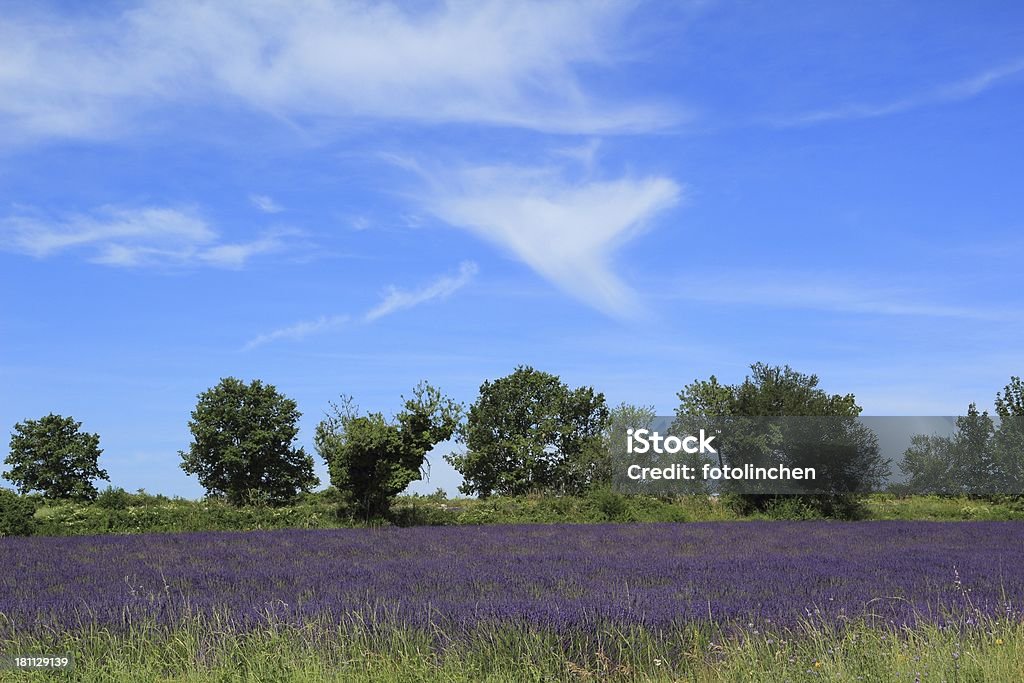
(983, 456)
(527, 432)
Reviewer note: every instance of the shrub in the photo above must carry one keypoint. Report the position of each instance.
(112, 498)
(790, 508)
(16, 514)
(372, 459)
(610, 504)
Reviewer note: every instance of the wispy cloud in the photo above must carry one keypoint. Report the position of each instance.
(787, 291)
(127, 237)
(237, 255)
(495, 62)
(395, 300)
(298, 331)
(565, 230)
(443, 287)
(950, 92)
(265, 203)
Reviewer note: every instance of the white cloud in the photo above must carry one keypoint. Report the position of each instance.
(566, 231)
(951, 92)
(118, 236)
(237, 255)
(777, 290)
(265, 203)
(298, 331)
(584, 155)
(163, 225)
(445, 286)
(501, 62)
(395, 300)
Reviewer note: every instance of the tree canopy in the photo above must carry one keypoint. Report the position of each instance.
(242, 444)
(768, 391)
(53, 456)
(1010, 401)
(981, 457)
(528, 431)
(371, 459)
(612, 454)
(829, 435)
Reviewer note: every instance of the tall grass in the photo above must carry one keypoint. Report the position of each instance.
(206, 650)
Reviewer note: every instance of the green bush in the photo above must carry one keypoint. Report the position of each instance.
(16, 514)
(790, 508)
(429, 510)
(838, 506)
(145, 513)
(611, 505)
(112, 498)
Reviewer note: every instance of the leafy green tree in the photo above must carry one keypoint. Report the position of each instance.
(854, 464)
(1008, 440)
(1010, 401)
(611, 462)
(621, 418)
(979, 459)
(973, 457)
(371, 459)
(928, 466)
(776, 391)
(529, 432)
(242, 444)
(53, 456)
(961, 464)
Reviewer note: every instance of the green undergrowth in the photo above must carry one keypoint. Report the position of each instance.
(126, 513)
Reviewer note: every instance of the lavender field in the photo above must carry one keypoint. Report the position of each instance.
(570, 581)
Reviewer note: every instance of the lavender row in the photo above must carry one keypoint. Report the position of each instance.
(564, 579)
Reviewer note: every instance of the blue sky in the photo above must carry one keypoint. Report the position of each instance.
(349, 198)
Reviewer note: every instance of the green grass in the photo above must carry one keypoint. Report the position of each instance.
(604, 507)
(938, 508)
(208, 652)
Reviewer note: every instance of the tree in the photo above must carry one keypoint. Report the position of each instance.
(371, 459)
(974, 465)
(528, 432)
(51, 455)
(613, 439)
(768, 391)
(961, 464)
(927, 464)
(981, 458)
(1008, 441)
(242, 444)
(749, 417)
(1010, 401)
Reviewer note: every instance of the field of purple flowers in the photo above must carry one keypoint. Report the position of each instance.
(562, 580)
